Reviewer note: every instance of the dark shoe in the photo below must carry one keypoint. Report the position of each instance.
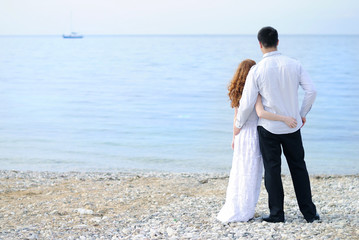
(273, 219)
(315, 218)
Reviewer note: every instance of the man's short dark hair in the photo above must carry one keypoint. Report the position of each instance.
(268, 36)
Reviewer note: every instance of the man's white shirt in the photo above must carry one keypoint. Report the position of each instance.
(277, 79)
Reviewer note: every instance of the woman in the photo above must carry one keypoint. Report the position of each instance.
(247, 168)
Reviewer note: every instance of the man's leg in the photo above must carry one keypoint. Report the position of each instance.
(294, 153)
(271, 153)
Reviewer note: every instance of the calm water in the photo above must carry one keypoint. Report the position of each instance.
(159, 102)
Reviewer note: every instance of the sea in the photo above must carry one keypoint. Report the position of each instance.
(159, 102)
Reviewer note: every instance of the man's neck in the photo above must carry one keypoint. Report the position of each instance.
(268, 50)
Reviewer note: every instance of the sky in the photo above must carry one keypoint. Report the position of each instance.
(53, 17)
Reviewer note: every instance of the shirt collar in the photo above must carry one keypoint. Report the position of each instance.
(271, 54)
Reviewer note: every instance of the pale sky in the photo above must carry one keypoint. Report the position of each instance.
(32, 17)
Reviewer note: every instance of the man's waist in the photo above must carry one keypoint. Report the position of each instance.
(278, 127)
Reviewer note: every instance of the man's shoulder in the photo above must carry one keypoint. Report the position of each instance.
(290, 59)
(254, 69)
(278, 59)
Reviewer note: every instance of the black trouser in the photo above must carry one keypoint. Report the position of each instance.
(270, 145)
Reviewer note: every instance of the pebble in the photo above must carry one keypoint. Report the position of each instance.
(170, 231)
(84, 211)
(80, 226)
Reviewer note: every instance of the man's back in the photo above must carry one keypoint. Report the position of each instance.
(278, 78)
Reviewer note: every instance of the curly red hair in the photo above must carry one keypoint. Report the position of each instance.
(236, 85)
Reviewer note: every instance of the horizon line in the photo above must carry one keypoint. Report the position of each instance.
(177, 34)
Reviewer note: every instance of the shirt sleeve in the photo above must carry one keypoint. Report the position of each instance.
(248, 99)
(309, 90)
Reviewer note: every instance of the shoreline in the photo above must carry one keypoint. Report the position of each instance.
(161, 205)
(129, 171)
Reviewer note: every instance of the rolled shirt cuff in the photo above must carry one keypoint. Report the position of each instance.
(304, 113)
(237, 124)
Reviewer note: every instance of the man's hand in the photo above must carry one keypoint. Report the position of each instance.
(236, 131)
(304, 119)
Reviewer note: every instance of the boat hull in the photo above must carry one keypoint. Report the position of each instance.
(69, 36)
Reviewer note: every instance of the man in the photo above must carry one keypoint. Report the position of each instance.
(277, 78)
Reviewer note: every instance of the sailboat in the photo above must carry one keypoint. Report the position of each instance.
(72, 34)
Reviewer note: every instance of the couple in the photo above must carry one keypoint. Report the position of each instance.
(267, 119)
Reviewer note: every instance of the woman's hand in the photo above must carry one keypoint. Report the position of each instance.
(291, 122)
(233, 143)
(235, 130)
(304, 121)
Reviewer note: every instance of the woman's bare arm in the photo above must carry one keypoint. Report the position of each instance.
(290, 121)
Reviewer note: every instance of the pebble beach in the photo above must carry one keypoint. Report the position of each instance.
(157, 205)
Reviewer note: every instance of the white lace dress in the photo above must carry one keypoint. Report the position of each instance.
(245, 176)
